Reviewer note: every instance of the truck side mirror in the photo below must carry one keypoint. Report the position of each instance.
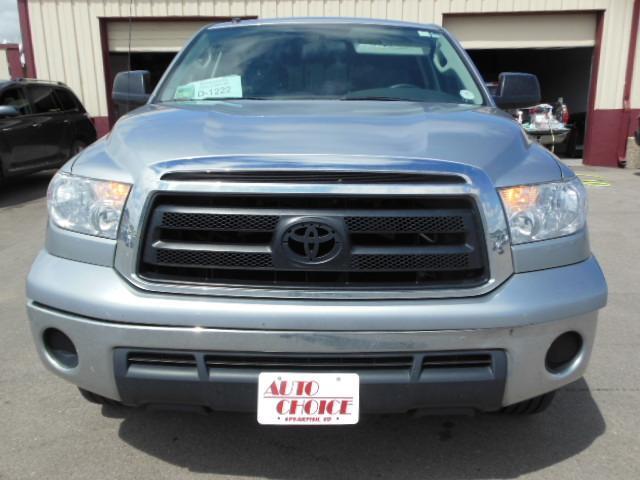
(7, 111)
(517, 90)
(131, 87)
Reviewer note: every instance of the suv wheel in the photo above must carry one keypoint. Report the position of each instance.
(98, 399)
(531, 406)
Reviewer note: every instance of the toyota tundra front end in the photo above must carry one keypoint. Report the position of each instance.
(312, 219)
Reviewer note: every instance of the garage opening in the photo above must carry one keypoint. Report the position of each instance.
(564, 75)
(152, 45)
(155, 62)
(557, 47)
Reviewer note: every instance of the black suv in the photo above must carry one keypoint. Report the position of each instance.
(42, 125)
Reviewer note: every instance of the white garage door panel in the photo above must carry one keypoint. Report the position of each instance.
(4, 65)
(524, 31)
(150, 36)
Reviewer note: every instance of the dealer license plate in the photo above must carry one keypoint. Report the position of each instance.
(308, 398)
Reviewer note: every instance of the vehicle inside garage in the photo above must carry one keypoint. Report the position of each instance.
(558, 48)
(564, 73)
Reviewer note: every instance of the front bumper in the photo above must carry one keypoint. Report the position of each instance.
(521, 319)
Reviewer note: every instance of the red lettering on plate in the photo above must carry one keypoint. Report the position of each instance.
(280, 406)
(284, 388)
(279, 389)
(308, 388)
(295, 400)
(344, 408)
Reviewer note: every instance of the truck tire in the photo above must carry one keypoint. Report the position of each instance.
(98, 399)
(531, 406)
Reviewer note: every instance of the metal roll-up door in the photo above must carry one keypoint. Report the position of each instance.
(548, 30)
(152, 36)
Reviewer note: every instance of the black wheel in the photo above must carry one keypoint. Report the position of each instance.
(97, 399)
(531, 406)
(1, 172)
(571, 145)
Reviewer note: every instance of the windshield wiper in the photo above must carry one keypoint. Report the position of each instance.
(210, 99)
(378, 98)
(227, 99)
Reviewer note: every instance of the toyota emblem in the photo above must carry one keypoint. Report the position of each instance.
(311, 242)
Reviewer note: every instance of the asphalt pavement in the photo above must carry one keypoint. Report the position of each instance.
(592, 431)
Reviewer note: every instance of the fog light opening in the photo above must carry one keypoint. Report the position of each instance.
(60, 347)
(563, 351)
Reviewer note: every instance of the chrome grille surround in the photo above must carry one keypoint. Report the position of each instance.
(477, 186)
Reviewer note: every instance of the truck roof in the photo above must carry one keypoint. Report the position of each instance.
(322, 20)
(4, 83)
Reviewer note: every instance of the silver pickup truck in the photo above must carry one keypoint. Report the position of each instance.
(312, 219)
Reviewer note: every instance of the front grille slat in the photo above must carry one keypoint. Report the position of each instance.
(391, 242)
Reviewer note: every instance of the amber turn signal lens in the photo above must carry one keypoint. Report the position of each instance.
(521, 197)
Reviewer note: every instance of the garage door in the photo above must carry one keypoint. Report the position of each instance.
(561, 30)
(152, 36)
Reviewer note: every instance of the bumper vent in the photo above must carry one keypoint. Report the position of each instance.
(323, 363)
(389, 382)
(306, 363)
(481, 360)
(161, 359)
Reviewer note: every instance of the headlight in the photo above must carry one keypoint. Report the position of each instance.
(85, 205)
(543, 211)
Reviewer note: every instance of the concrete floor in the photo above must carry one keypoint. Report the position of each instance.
(48, 431)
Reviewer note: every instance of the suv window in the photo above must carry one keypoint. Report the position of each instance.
(66, 99)
(43, 99)
(14, 97)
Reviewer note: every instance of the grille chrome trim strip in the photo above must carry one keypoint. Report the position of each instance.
(328, 177)
(479, 187)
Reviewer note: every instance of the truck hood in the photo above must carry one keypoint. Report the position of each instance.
(367, 135)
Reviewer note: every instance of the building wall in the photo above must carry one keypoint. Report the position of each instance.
(10, 66)
(633, 150)
(635, 84)
(4, 65)
(67, 39)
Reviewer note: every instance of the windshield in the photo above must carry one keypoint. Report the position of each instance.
(316, 61)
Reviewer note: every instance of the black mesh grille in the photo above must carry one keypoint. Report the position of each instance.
(213, 259)
(410, 262)
(405, 224)
(202, 221)
(389, 242)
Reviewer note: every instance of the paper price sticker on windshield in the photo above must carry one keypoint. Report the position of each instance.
(211, 88)
(308, 398)
(467, 95)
